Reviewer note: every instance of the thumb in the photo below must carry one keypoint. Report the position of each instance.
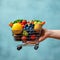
(42, 38)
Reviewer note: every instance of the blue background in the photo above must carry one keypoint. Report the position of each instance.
(46, 10)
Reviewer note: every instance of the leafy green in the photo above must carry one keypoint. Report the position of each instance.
(18, 20)
(38, 20)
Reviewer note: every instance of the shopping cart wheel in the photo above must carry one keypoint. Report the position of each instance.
(36, 46)
(19, 47)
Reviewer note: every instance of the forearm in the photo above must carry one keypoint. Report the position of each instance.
(54, 34)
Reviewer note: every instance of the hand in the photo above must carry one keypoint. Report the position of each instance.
(44, 34)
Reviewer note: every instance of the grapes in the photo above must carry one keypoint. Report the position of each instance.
(31, 26)
(30, 30)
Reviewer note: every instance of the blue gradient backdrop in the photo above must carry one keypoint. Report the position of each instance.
(48, 10)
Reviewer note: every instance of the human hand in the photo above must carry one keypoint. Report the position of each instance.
(44, 34)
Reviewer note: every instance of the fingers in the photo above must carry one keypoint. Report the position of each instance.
(42, 38)
(32, 42)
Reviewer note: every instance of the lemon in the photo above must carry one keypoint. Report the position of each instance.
(17, 28)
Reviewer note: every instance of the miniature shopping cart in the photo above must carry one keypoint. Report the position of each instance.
(17, 37)
(21, 28)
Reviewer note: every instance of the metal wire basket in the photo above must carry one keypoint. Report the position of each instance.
(17, 37)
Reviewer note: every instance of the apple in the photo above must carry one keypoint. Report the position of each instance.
(37, 27)
(24, 22)
(33, 37)
(24, 38)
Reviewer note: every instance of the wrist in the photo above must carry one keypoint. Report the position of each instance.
(49, 33)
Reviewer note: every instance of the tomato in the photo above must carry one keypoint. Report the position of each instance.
(24, 38)
(24, 22)
(33, 37)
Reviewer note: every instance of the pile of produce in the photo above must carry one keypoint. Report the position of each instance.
(24, 30)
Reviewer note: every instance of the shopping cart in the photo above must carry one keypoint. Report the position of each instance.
(17, 37)
(31, 28)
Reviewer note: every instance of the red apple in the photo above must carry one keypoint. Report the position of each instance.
(24, 22)
(33, 37)
(24, 38)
